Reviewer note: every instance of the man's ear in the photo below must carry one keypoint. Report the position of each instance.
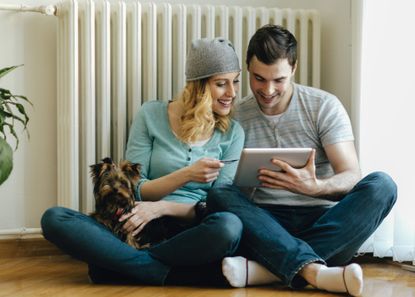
(294, 68)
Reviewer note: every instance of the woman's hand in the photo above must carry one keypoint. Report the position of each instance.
(141, 215)
(204, 170)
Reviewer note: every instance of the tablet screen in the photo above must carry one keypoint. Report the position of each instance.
(252, 159)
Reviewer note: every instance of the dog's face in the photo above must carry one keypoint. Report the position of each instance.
(114, 186)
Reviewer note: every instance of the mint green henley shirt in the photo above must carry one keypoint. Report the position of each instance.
(152, 144)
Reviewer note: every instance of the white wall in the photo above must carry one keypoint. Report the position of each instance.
(30, 39)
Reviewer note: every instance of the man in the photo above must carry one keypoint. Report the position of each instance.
(302, 226)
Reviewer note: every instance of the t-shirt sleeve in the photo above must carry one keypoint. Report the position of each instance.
(333, 122)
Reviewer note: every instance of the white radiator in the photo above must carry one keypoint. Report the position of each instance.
(115, 55)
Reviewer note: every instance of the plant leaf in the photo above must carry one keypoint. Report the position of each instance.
(5, 94)
(6, 160)
(9, 115)
(21, 109)
(13, 132)
(22, 97)
(14, 117)
(6, 70)
(2, 128)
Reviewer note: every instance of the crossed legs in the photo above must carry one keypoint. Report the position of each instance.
(109, 258)
(335, 236)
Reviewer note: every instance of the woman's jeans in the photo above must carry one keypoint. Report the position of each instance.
(286, 238)
(82, 237)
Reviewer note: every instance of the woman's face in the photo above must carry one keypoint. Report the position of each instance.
(223, 88)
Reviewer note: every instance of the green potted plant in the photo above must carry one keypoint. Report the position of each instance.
(11, 112)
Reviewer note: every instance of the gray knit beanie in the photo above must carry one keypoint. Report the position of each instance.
(208, 57)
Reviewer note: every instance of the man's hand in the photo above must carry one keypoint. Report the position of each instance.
(302, 180)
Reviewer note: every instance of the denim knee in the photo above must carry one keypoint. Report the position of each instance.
(219, 197)
(230, 226)
(227, 231)
(214, 196)
(50, 221)
(382, 188)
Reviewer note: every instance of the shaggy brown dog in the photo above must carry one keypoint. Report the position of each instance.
(114, 186)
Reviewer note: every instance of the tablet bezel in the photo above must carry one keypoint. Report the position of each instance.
(252, 159)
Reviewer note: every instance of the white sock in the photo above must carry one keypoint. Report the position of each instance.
(235, 269)
(348, 279)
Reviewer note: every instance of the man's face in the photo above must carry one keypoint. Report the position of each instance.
(271, 84)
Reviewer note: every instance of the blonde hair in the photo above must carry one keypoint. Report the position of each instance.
(198, 117)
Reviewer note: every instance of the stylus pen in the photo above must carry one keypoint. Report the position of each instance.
(229, 161)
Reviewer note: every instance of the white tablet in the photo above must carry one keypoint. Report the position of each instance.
(252, 159)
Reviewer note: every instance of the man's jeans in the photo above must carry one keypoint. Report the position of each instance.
(82, 237)
(286, 238)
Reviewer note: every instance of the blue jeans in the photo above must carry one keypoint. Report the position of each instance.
(82, 237)
(286, 238)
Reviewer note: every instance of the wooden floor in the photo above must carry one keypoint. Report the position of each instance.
(62, 276)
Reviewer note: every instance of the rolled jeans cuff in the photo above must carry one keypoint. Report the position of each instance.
(296, 281)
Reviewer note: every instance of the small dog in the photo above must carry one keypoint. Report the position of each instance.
(114, 186)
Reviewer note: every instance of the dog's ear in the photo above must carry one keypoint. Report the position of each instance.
(97, 170)
(107, 160)
(131, 170)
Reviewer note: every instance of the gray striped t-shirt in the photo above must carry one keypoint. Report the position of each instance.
(314, 118)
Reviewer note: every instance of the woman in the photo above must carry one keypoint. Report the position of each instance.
(183, 147)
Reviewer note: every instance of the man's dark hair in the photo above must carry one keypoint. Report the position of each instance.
(270, 43)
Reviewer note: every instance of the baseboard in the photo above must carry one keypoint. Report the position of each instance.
(408, 267)
(27, 247)
(21, 233)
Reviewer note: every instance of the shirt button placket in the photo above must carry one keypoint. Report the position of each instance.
(189, 155)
